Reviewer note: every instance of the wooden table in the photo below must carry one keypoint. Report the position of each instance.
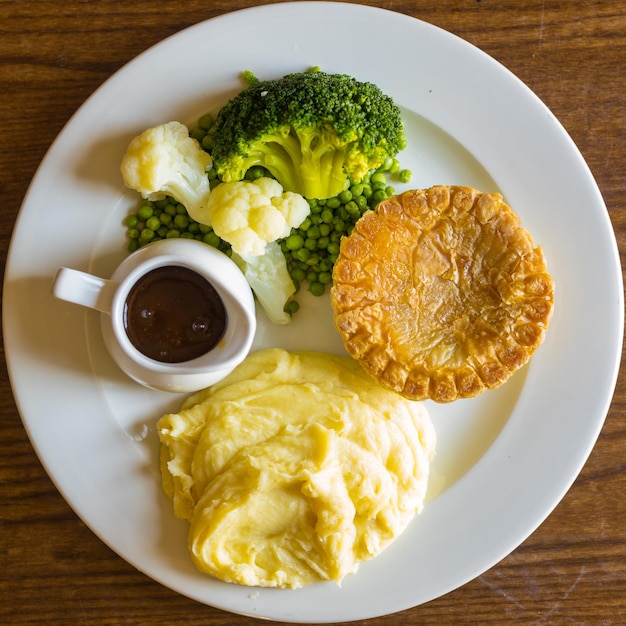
(54, 54)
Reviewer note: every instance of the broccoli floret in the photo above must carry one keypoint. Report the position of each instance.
(249, 77)
(311, 130)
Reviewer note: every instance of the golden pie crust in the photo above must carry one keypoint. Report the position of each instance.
(440, 293)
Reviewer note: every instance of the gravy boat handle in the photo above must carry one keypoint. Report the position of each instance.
(84, 289)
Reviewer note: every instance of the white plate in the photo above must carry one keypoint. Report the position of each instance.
(504, 460)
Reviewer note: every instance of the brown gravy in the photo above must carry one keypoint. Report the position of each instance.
(173, 314)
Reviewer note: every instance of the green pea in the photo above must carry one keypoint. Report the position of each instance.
(379, 195)
(357, 190)
(153, 223)
(303, 254)
(147, 234)
(378, 177)
(333, 247)
(297, 273)
(145, 211)
(352, 209)
(256, 172)
(206, 121)
(294, 241)
(291, 307)
(181, 221)
(131, 221)
(327, 216)
(325, 265)
(386, 166)
(325, 277)
(313, 232)
(198, 134)
(404, 176)
(345, 196)
(311, 276)
(317, 289)
(212, 239)
(340, 225)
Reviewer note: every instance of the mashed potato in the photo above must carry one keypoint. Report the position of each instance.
(294, 469)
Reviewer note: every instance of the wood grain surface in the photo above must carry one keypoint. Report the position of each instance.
(53, 55)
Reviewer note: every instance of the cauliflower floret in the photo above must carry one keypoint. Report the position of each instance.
(270, 281)
(251, 214)
(166, 161)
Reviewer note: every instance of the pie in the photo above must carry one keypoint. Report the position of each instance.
(440, 293)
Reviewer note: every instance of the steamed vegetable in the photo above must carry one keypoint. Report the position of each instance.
(165, 161)
(269, 279)
(312, 131)
(251, 214)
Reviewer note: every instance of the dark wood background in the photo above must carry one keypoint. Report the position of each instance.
(53, 55)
